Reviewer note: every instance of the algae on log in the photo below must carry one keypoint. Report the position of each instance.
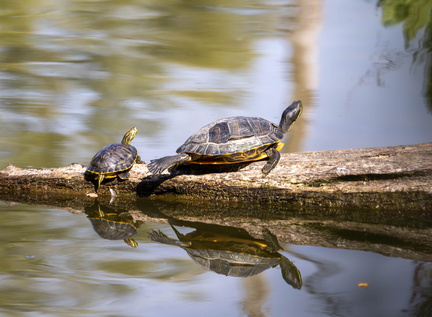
(384, 178)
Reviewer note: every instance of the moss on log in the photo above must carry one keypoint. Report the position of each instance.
(398, 177)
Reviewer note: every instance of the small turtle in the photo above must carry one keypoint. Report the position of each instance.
(114, 160)
(233, 252)
(233, 140)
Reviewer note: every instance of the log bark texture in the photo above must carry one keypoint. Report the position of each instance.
(380, 178)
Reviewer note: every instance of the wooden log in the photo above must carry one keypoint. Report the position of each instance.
(380, 178)
(382, 197)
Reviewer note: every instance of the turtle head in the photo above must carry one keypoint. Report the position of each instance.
(290, 115)
(129, 136)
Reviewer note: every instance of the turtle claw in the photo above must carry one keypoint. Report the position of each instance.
(274, 157)
(154, 168)
(159, 236)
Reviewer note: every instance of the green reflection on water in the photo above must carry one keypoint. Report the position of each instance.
(415, 16)
(75, 74)
(121, 60)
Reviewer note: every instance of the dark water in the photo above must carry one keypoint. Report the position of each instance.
(55, 264)
(76, 75)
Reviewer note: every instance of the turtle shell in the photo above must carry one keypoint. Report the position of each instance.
(113, 159)
(233, 139)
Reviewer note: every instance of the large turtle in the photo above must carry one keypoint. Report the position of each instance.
(233, 140)
(114, 160)
(232, 251)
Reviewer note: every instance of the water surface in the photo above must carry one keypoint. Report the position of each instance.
(55, 264)
(76, 75)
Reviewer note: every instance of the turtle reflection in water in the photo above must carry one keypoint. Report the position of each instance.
(236, 253)
(114, 225)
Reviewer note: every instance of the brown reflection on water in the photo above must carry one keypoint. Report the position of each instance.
(304, 40)
(256, 296)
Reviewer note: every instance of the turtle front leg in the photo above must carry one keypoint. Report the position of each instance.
(100, 178)
(167, 162)
(274, 157)
(138, 160)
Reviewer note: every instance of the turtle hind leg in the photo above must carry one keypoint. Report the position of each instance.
(167, 162)
(159, 236)
(274, 157)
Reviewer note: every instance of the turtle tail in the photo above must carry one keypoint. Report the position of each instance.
(167, 162)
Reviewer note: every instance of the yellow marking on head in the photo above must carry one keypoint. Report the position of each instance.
(129, 136)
